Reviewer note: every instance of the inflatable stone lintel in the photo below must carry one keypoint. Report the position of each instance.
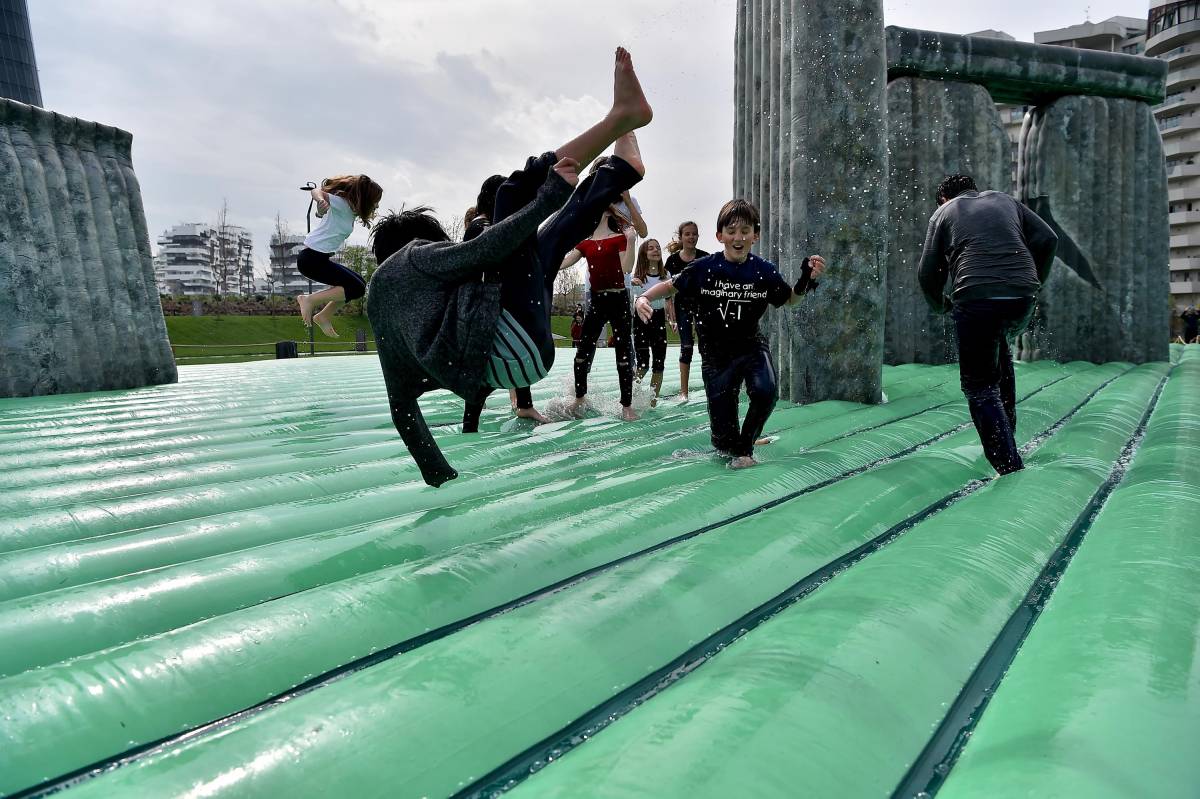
(1021, 73)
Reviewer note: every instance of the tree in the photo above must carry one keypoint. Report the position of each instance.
(276, 274)
(219, 248)
(362, 261)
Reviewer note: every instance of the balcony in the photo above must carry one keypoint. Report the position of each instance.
(1175, 126)
(1172, 38)
(1185, 287)
(1185, 240)
(1188, 101)
(1180, 146)
(1183, 171)
(1185, 218)
(1182, 79)
(1181, 56)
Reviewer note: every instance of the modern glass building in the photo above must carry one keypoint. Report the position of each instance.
(18, 67)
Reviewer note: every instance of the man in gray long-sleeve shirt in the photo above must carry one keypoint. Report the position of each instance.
(996, 254)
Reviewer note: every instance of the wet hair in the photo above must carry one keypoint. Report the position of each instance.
(360, 192)
(954, 185)
(738, 211)
(398, 228)
(642, 268)
(676, 243)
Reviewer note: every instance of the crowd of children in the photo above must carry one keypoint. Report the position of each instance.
(473, 316)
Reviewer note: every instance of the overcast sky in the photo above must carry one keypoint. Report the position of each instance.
(244, 100)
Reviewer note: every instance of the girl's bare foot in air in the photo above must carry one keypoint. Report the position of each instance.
(630, 106)
(532, 413)
(628, 414)
(306, 309)
(324, 320)
(742, 462)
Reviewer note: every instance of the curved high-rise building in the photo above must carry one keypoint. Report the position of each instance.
(18, 67)
(1173, 34)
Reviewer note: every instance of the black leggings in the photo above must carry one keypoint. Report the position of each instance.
(651, 336)
(722, 385)
(527, 277)
(607, 307)
(319, 267)
(683, 320)
(983, 328)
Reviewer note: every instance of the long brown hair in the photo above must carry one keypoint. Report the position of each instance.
(360, 192)
(676, 243)
(642, 268)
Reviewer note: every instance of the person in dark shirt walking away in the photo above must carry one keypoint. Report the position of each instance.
(730, 291)
(474, 316)
(996, 254)
(1191, 324)
(679, 313)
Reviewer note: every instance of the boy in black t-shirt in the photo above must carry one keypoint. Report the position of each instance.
(730, 291)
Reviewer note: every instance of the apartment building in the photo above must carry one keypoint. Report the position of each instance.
(196, 258)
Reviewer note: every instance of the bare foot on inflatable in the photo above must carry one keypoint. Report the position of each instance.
(630, 106)
(578, 408)
(306, 309)
(324, 320)
(628, 414)
(742, 462)
(532, 413)
(759, 442)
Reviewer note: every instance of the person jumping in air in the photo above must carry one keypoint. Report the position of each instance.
(650, 338)
(339, 201)
(474, 316)
(730, 291)
(679, 313)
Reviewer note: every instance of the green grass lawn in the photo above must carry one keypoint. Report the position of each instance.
(233, 339)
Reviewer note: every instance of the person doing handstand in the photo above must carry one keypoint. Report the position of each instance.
(474, 316)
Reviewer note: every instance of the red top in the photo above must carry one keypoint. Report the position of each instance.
(604, 261)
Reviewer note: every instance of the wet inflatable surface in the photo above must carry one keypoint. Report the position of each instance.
(238, 586)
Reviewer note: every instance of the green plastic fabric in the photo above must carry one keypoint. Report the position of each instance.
(1103, 699)
(184, 571)
(144, 651)
(505, 683)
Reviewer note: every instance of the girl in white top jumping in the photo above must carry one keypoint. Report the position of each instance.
(339, 201)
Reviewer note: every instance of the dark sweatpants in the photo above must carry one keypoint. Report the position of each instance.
(527, 279)
(321, 268)
(608, 307)
(984, 329)
(683, 320)
(650, 338)
(723, 380)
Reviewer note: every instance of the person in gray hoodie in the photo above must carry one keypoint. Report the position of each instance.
(474, 316)
(996, 254)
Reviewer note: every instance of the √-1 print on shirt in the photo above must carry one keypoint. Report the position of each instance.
(729, 300)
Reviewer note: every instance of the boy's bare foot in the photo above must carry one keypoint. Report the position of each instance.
(578, 407)
(324, 320)
(306, 309)
(628, 414)
(630, 106)
(532, 413)
(742, 462)
(758, 442)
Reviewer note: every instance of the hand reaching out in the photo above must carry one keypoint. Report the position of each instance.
(568, 170)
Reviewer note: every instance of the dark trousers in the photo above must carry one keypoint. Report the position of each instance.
(984, 329)
(607, 307)
(683, 319)
(722, 386)
(527, 277)
(651, 337)
(321, 268)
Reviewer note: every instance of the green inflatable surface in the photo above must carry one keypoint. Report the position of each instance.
(238, 586)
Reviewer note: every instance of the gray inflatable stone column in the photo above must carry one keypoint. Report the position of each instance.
(75, 263)
(935, 128)
(1093, 168)
(810, 151)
